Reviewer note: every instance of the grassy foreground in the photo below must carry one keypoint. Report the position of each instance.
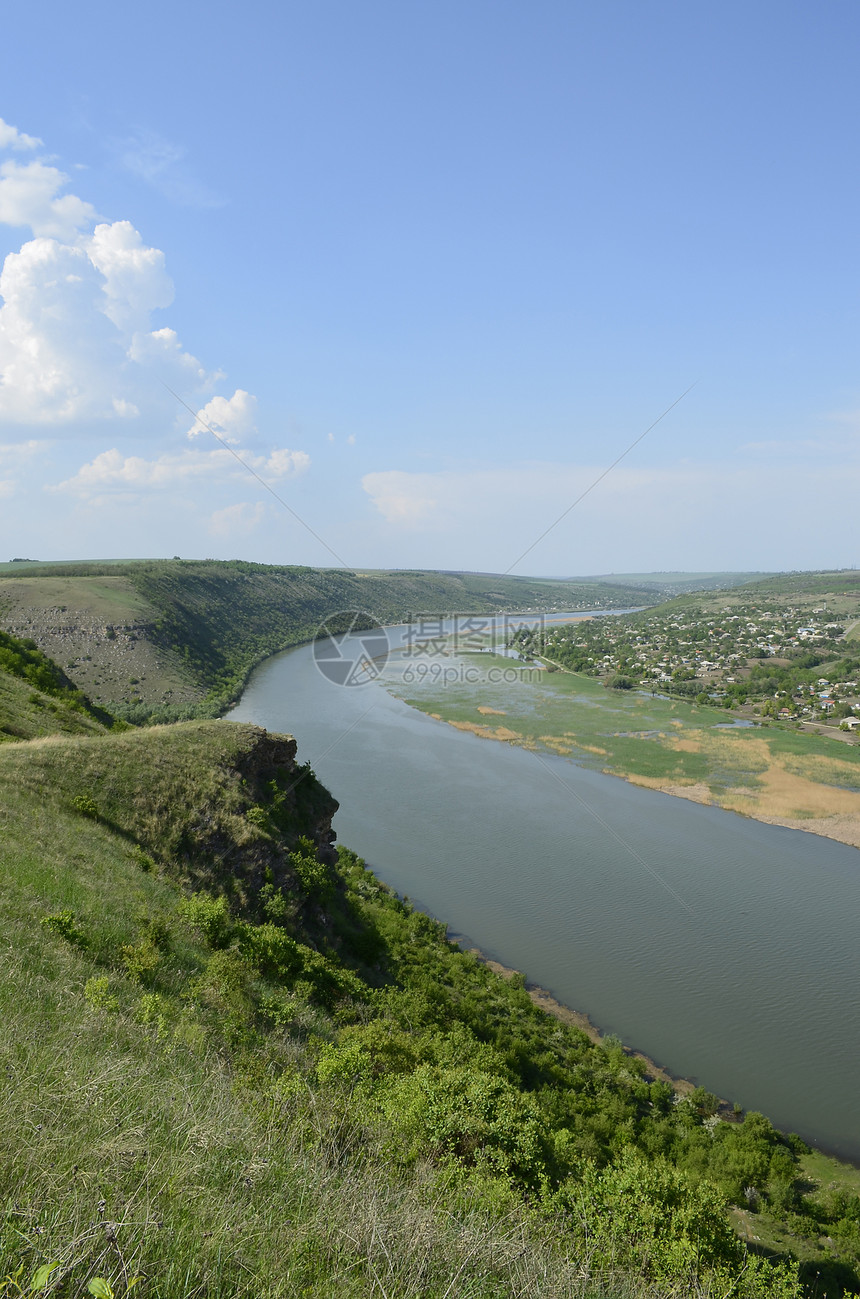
(235, 1064)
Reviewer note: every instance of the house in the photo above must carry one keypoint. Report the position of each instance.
(851, 723)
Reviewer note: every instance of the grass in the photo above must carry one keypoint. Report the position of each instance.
(27, 712)
(163, 1109)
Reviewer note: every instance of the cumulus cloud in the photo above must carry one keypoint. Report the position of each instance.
(134, 280)
(283, 464)
(12, 138)
(73, 342)
(111, 471)
(82, 347)
(237, 520)
(233, 417)
(77, 336)
(29, 197)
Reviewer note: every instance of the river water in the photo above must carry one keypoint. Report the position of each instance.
(725, 949)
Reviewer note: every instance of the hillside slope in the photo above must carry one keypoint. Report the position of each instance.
(233, 1063)
(37, 698)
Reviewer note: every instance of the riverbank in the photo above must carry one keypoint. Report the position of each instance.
(546, 1002)
(795, 779)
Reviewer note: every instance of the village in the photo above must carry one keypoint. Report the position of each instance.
(793, 662)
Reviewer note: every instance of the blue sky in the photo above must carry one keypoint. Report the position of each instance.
(429, 269)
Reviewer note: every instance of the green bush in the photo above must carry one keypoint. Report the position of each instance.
(98, 995)
(209, 916)
(314, 876)
(65, 924)
(84, 804)
(141, 959)
(478, 1118)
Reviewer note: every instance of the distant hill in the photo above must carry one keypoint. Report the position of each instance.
(669, 584)
(170, 639)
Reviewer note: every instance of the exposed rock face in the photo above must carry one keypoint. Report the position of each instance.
(273, 759)
(107, 647)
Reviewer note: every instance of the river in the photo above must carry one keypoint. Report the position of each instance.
(724, 948)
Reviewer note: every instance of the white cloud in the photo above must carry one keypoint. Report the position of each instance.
(234, 417)
(16, 451)
(404, 498)
(28, 197)
(282, 464)
(135, 282)
(63, 355)
(76, 336)
(78, 341)
(115, 472)
(161, 351)
(12, 138)
(237, 520)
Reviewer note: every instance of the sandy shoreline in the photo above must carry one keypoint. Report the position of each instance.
(842, 826)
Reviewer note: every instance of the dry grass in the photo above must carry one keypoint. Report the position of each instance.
(503, 733)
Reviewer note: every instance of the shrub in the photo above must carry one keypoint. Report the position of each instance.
(154, 1010)
(314, 876)
(64, 924)
(476, 1117)
(210, 916)
(96, 991)
(141, 959)
(271, 949)
(84, 804)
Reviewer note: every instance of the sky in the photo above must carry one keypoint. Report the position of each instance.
(425, 271)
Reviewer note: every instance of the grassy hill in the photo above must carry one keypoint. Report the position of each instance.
(233, 1063)
(670, 584)
(161, 640)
